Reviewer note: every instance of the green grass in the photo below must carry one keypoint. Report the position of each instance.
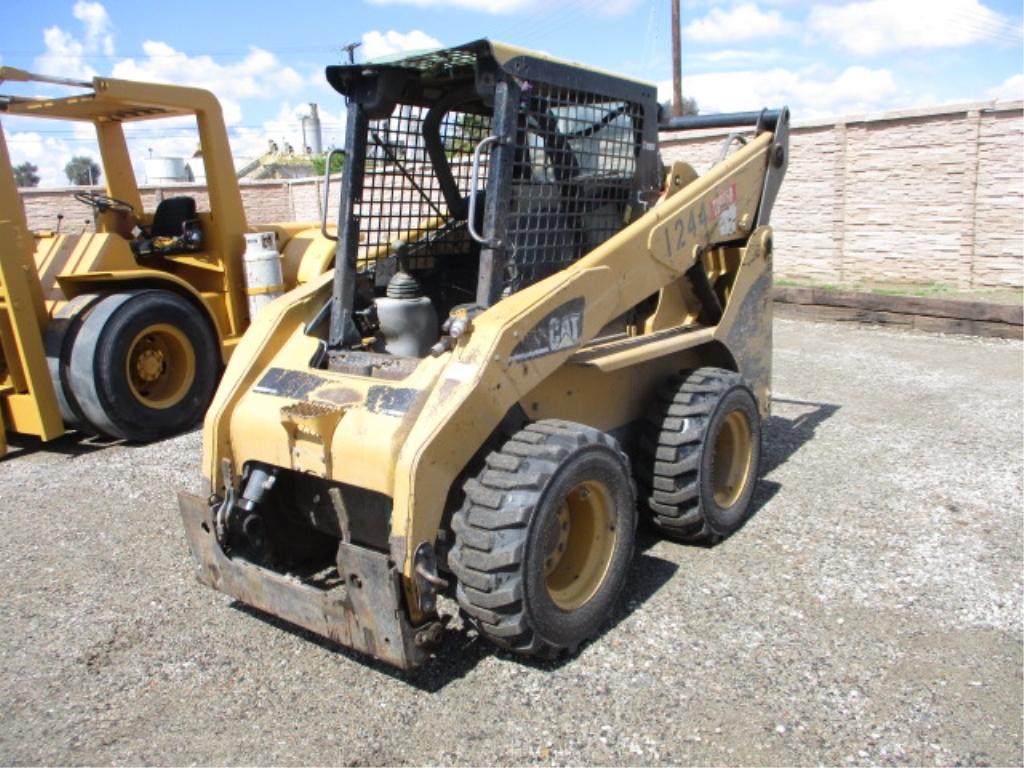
(923, 290)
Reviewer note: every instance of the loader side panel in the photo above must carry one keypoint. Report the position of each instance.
(614, 278)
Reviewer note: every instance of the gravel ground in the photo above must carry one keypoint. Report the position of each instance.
(869, 613)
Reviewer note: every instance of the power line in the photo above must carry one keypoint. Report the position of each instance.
(176, 53)
(179, 130)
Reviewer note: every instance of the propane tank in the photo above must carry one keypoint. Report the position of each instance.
(264, 280)
(407, 318)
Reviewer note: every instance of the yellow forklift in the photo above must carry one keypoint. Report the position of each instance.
(123, 329)
(516, 339)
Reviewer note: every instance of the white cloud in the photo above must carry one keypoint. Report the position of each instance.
(286, 127)
(507, 7)
(807, 93)
(1011, 89)
(485, 6)
(377, 44)
(742, 22)
(880, 26)
(98, 34)
(259, 75)
(65, 53)
(49, 153)
(736, 58)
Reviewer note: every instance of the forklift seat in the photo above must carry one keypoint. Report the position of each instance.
(175, 229)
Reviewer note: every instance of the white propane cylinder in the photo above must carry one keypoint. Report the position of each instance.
(264, 280)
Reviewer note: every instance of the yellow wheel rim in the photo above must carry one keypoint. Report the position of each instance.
(730, 468)
(580, 545)
(161, 366)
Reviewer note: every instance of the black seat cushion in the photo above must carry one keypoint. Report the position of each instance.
(171, 215)
(175, 229)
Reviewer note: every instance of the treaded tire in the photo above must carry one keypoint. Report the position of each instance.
(676, 469)
(99, 376)
(503, 535)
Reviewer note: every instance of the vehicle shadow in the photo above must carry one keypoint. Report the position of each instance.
(72, 444)
(782, 437)
(461, 648)
(785, 435)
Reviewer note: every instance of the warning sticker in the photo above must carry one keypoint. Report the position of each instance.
(723, 209)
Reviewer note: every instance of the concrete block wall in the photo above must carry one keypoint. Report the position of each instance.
(999, 200)
(922, 196)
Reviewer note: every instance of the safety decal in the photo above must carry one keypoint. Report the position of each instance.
(560, 329)
(291, 384)
(723, 208)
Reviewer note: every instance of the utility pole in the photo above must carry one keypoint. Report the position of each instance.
(351, 50)
(677, 64)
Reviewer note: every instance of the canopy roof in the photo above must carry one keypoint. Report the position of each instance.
(105, 99)
(418, 77)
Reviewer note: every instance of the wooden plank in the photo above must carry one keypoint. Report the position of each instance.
(1011, 314)
(899, 320)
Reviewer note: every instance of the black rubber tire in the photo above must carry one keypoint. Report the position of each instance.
(498, 556)
(58, 340)
(97, 371)
(675, 467)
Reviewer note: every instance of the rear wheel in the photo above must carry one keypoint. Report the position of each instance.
(144, 365)
(58, 341)
(700, 455)
(545, 537)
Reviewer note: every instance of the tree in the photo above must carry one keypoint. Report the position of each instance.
(470, 130)
(26, 175)
(320, 163)
(689, 106)
(82, 170)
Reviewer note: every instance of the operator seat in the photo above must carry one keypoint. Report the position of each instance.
(175, 229)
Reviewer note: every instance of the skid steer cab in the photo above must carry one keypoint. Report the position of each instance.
(534, 333)
(121, 327)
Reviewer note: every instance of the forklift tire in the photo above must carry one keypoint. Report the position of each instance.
(545, 537)
(700, 455)
(58, 340)
(144, 365)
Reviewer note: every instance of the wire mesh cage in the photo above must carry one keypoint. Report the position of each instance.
(402, 195)
(574, 170)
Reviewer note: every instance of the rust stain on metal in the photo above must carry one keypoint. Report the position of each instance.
(391, 401)
(338, 395)
(363, 612)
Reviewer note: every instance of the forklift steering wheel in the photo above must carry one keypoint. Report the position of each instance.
(102, 203)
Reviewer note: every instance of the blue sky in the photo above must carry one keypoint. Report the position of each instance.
(265, 61)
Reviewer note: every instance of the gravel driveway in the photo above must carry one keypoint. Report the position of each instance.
(869, 613)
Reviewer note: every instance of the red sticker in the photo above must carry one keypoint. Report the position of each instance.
(723, 200)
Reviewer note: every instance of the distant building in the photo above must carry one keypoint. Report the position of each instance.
(276, 163)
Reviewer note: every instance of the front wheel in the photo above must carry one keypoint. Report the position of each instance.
(545, 538)
(144, 365)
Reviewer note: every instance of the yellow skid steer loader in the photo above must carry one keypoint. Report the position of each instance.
(533, 328)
